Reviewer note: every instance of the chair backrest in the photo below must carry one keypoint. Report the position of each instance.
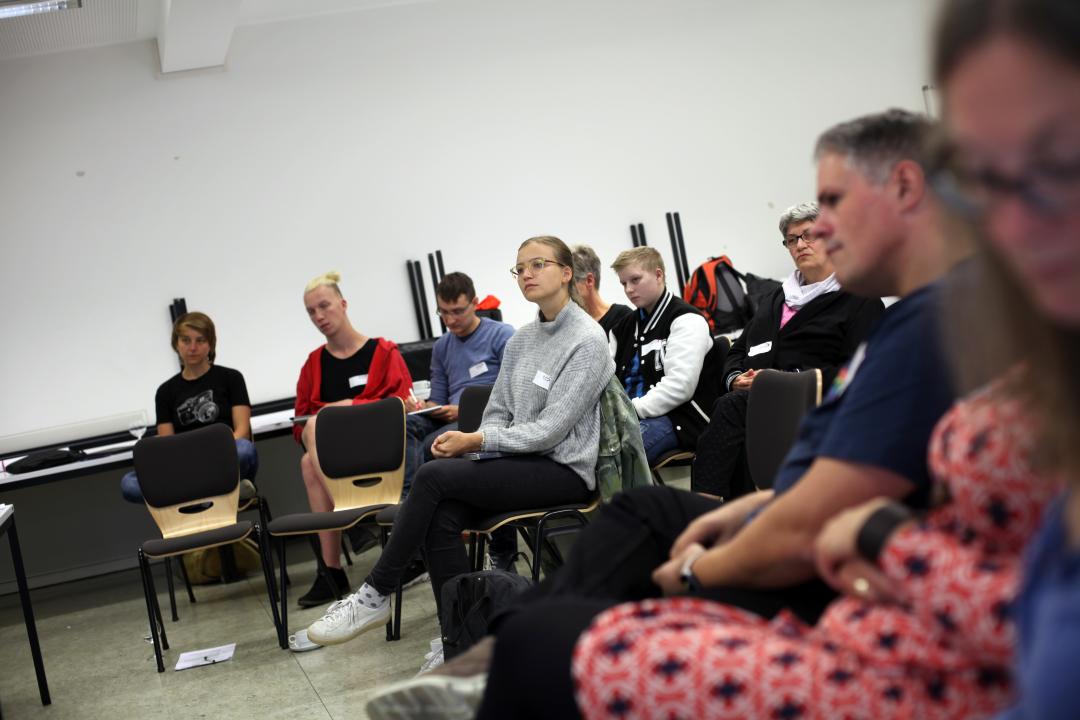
(190, 481)
(776, 406)
(361, 451)
(471, 407)
(417, 356)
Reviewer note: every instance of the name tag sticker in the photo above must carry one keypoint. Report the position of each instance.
(652, 346)
(759, 349)
(542, 379)
(357, 381)
(478, 369)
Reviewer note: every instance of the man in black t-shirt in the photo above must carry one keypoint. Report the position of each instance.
(201, 394)
(208, 399)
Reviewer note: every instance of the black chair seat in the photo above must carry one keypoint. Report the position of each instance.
(307, 523)
(163, 547)
(387, 515)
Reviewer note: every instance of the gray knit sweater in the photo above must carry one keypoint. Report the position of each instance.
(546, 400)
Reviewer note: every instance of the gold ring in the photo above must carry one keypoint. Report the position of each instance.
(861, 586)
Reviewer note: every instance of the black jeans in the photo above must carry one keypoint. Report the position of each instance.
(720, 464)
(611, 562)
(449, 496)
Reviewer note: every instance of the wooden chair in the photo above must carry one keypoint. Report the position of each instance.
(361, 452)
(190, 483)
(776, 406)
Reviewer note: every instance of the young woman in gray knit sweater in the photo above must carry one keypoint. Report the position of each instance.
(543, 421)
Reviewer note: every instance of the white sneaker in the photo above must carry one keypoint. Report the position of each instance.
(434, 658)
(429, 697)
(346, 619)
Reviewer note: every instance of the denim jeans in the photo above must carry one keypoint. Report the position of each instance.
(246, 456)
(420, 433)
(658, 436)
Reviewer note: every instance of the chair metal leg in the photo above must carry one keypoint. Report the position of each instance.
(397, 612)
(268, 576)
(481, 548)
(345, 550)
(152, 614)
(28, 613)
(187, 580)
(472, 550)
(538, 550)
(266, 516)
(172, 590)
(283, 628)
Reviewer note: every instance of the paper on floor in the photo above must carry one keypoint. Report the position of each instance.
(210, 656)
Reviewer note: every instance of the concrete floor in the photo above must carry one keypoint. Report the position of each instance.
(99, 666)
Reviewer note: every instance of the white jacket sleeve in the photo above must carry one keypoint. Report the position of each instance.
(688, 343)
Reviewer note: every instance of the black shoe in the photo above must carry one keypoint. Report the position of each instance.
(415, 573)
(361, 539)
(321, 593)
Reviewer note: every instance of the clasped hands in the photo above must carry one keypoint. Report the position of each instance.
(454, 443)
(834, 553)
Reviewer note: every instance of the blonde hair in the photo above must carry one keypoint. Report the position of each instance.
(329, 279)
(648, 258)
(563, 256)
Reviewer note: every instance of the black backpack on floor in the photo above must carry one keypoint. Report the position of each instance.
(469, 602)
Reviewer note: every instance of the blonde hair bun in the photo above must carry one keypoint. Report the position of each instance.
(331, 278)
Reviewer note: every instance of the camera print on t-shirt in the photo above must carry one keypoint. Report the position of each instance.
(200, 409)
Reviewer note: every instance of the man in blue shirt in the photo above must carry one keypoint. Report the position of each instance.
(469, 353)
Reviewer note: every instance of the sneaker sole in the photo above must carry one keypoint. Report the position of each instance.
(377, 622)
(429, 698)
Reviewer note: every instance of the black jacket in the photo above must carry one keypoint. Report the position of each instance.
(690, 418)
(823, 334)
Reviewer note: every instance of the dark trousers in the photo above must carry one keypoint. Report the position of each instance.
(420, 432)
(720, 464)
(449, 496)
(611, 562)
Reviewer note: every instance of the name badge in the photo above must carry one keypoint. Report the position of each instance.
(478, 369)
(759, 349)
(357, 380)
(652, 346)
(542, 379)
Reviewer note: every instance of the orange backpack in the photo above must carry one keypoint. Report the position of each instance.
(715, 288)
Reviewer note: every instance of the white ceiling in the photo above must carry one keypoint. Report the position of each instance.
(111, 22)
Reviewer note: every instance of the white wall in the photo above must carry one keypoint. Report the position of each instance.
(358, 140)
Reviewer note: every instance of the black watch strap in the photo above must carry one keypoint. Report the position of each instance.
(878, 527)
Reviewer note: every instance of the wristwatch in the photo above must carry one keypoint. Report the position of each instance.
(690, 581)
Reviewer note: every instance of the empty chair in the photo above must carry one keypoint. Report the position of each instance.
(190, 483)
(362, 455)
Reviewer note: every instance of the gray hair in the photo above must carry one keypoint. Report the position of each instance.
(585, 262)
(797, 214)
(875, 143)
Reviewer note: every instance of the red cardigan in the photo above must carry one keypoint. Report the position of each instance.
(388, 376)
